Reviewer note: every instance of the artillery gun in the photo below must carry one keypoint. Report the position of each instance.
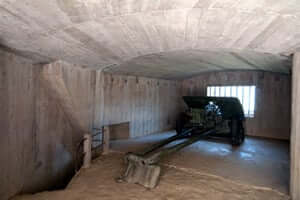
(205, 117)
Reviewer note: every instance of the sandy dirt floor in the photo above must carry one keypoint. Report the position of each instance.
(258, 161)
(98, 182)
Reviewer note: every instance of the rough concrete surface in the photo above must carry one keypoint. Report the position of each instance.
(150, 105)
(98, 182)
(39, 120)
(37, 142)
(102, 34)
(295, 135)
(91, 99)
(183, 64)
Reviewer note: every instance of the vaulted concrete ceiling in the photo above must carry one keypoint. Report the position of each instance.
(187, 63)
(177, 38)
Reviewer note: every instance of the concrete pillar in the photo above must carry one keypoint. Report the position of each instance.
(87, 150)
(106, 139)
(295, 130)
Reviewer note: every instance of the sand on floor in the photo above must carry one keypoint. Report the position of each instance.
(98, 182)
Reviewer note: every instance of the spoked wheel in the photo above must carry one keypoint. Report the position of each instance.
(237, 132)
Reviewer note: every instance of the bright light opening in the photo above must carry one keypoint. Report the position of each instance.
(246, 95)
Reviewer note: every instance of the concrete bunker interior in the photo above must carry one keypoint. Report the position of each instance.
(68, 68)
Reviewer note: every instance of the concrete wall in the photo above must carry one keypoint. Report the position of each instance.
(73, 88)
(97, 98)
(46, 109)
(150, 105)
(295, 134)
(36, 140)
(272, 104)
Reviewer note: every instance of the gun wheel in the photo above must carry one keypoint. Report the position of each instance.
(237, 132)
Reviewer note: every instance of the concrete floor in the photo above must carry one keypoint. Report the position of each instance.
(259, 162)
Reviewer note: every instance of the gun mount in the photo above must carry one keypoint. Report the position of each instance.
(205, 117)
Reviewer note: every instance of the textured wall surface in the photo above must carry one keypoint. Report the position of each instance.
(272, 104)
(183, 64)
(100, 34)
(17, 104)
(46, 109)
(73, 88)
(150, 105)
(295, 134)
(36, 140)
(93, 98)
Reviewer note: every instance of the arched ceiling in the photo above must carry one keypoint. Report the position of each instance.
(187, 63)
(109, 33)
